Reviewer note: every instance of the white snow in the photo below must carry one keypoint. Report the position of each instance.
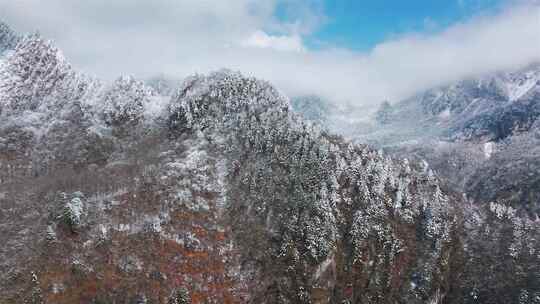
(445, 114)
(74, 210)
(516, 91)
(221, 169)
(502, 211)
(155, 106)
(153, 224)
(489, 147)
(519, 87)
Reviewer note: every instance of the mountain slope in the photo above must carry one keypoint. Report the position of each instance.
(480, 136)
(466, 130)
(113, 193)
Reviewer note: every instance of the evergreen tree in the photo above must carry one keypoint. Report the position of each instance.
(124, 102)
(33, 71)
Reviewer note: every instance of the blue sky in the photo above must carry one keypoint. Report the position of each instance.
(362, 24)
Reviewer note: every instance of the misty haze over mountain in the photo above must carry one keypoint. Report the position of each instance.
(179, 38)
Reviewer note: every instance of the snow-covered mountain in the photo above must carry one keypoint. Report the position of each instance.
(492, 107)
(219, 193)
(500, 89)
(480, 134)
(486, 135)
(488, 108)
(517, 84)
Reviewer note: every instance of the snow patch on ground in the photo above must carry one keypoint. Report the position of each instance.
(222, 172)
(489, 148)
(104, 201)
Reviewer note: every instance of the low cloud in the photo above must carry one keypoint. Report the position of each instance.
(182, 37)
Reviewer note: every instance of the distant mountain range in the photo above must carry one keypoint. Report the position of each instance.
(489, 108)
(480, 135)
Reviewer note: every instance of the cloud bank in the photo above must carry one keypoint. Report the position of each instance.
(182, 37)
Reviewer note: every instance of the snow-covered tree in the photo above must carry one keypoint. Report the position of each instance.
(124, 101)
(72, 209)
(33, 71)
(8, 39)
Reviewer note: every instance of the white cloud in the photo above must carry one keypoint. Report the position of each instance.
(260, 39)
(181, 37)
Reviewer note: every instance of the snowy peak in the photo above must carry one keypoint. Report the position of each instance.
(517, 84)
(502, 87)
(203, 100)
(487, 108)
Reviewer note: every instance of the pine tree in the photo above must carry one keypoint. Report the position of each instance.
(33, 71)
(72, 210)
(124, 101)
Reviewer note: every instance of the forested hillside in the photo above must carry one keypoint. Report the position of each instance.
(217, 192)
